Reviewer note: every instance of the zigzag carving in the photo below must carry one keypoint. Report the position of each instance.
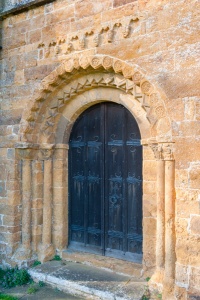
(83, 84)
(110, 72)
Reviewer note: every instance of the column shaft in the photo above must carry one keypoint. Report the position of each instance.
(47, 203)
(37, 199)
(169, 220)
(160, 233)
(26, 204)
(60, 192)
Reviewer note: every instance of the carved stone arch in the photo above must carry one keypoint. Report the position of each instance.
(91, 97)
(64, 94)
(71, 78)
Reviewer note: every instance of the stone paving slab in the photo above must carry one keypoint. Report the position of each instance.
(89, 282)
(43, 293)
(99, 261)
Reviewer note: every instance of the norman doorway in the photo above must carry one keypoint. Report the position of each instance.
(105, 183)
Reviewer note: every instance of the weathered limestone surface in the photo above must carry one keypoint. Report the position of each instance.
(59, 58)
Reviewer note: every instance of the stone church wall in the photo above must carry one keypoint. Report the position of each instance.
(161, 40)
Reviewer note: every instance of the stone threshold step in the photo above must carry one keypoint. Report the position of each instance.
(104, 262)
(89, 282)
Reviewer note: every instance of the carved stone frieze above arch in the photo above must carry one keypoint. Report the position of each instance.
(80, 74)
(90, 37)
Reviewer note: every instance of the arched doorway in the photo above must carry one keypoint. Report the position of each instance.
(105, 183)
(45, 128)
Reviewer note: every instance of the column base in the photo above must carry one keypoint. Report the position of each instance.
(158, 276)
(45, 252)
(156, 282)
(22, 254)
(168, 289)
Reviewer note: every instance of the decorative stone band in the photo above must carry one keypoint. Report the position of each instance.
(93, 37)
(104, 71)
(28, 151)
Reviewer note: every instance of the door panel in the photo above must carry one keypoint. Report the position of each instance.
(78, 187)
(93, 160)
(114, 172)
(105, 176)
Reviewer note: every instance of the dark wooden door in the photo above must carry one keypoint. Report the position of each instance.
(105, 183)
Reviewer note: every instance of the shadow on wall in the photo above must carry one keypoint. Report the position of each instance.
(1, 9)
(12, 6)
(0, 39)
(2, 5)
(9, 4)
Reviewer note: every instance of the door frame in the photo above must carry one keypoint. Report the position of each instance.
(103, 249)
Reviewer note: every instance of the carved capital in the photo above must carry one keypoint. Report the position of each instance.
(167, 149)
(162, 151)
(157, 150)
(26, 151)
(26, 154)
(46, 151)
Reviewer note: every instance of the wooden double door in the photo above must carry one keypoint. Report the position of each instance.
(105, 183)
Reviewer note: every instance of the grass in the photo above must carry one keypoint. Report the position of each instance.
(7, 297)
(41, 283)
(145, 297)
(148, 278)
(32, 289)
(2, 273)
(36, 263)
(13, 277)
(57, 257)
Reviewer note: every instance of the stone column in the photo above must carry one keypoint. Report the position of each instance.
(26, 153)
(170, 257)
(60, 199)
(26, 205)
(160, 244)
(47, 203)
(37, 199)
(46, 249)
(160, 228)
(10, 195)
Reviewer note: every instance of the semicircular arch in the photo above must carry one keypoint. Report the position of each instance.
(66, 87)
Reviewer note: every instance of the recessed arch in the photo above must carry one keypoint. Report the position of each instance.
(92, 97)
(78, 75)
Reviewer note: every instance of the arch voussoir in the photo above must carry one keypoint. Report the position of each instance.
(123, 76)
